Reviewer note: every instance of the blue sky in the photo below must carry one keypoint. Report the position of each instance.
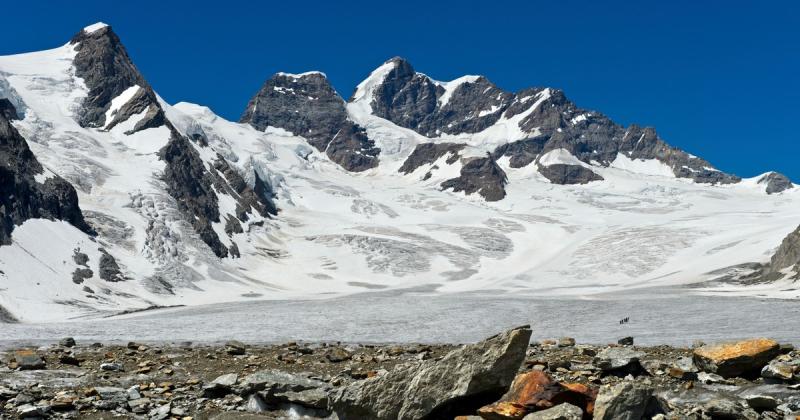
(718, 79)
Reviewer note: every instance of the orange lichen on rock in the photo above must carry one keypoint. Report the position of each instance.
(534, 391)
(734, 359)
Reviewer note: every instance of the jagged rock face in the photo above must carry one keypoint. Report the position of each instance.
(473, 104)
(231, 182)
(405, 97)
(787, 255)
(7, 110)
(308, 106)
(472, 107)
(22, 197)
(195, 188)
(428, 153)
(776, 182)
(481, 175)
(568, 174)
(104, 65)
(191, 185)
(521, 152)
(413, 100)
(475, 374)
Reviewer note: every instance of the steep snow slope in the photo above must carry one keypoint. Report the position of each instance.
(343, 232)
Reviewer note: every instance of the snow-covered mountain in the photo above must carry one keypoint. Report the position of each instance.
(114, 200)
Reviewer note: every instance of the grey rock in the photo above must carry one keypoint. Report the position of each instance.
(724, 408)
(563, 411)
(566, 342)
(67, 342)
(775, 369)
(29, 411)
(625, 341)
(311, 398)
(110, 397)
(612, 358)
(686, 364)
(273, 382)
(568, 174)
(308, 106)
(776, 182)
(482, 176)
(139, 405)
(133, 393)
(256, 404)
(29, 360)
(428, 388)
(112, 367)
(161, 412)
(220, 386)
(623, 401)
(337, 355)
(235, 348)
(761, 402)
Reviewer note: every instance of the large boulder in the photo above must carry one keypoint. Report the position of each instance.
(623, 401)
(728, 360)
(459, 383)
(775, 182)
(534, 391)
(28, 360)
(614, 358)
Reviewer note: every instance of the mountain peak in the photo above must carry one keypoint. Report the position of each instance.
(95, 27)
(308, 74)
(307, 105)
(109, 73)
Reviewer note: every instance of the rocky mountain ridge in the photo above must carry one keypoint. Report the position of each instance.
(412, 182)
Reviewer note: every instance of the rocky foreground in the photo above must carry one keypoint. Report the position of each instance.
(504, 377)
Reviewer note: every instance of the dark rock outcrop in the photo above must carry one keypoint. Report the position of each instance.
(308, 106)
(413, 100)
(564, 174)
(7, 110)
(481, 175)
(190, 184)
(776, 182)
(109, 269)
(459, 383)
(521, 152)
(22, 197)
(428, 153)
(104, 65)
(195, 188)
(787, 256)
